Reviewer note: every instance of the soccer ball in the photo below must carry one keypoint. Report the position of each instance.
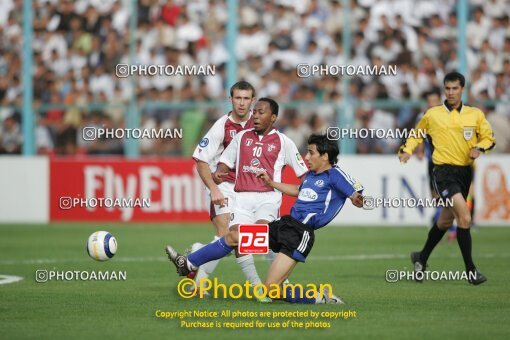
(101, 246)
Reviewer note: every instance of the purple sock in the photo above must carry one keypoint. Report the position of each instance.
(296, 296)
(212, 251)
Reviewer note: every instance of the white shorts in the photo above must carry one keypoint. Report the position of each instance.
(249, 207)
(227, 189)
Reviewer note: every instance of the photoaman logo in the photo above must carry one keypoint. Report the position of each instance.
(188, 288)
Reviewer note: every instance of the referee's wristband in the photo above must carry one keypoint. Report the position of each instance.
(478, 149)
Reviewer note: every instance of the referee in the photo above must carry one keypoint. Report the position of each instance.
(458, 134)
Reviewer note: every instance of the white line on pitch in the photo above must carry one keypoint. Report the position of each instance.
(360, 257)
(5, 279)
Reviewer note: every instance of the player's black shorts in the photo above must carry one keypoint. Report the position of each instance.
(451, 179)
(291, 238)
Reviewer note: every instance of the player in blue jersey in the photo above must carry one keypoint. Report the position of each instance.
(320, 197)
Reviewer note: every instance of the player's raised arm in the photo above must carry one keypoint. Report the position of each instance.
(348, 186)
(287, 189)
(416, 138)
(207, 177)
(221, 171)
(357, 199)
(204, 154)
(228, 160)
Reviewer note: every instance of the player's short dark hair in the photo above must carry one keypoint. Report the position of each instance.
(242, 85)
(453, 76)
(325, 145)
(434, 90)
(273, 105)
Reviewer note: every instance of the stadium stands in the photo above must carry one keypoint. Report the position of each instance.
(77, 45)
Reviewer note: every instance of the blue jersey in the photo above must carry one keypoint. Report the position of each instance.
(322, 196)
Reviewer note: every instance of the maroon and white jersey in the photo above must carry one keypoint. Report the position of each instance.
(217, 139)
(250, 153)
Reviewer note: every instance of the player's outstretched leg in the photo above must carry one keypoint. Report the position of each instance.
(221, 225)
(280, 270)
(205, 270)
(212, 251)
(270, 256)
(180, 261)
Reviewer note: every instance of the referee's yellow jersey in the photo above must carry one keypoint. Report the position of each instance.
(452, 134)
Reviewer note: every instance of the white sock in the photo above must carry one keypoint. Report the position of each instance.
(248, 267)
(205, 270)
(270, 256)
(319, 298)
(191, 266)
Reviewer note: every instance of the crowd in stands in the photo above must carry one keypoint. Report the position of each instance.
(77, 45)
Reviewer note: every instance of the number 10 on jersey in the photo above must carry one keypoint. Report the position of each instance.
(253, 239)
(257, 151)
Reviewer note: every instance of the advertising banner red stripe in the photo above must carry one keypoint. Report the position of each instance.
(116, 189)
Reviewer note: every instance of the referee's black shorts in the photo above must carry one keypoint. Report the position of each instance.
(291, 238)
(452, 179)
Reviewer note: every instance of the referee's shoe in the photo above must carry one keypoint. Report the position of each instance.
(419, 267)
(474, 277)
(478, 278)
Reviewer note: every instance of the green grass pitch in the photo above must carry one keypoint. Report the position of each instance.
(352, 260)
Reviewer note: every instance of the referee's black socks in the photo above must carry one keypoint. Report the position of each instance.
(464, 240)
(435, 235)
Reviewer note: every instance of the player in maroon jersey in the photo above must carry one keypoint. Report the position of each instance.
(252, 151)
(261, 149)
(207, 154)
